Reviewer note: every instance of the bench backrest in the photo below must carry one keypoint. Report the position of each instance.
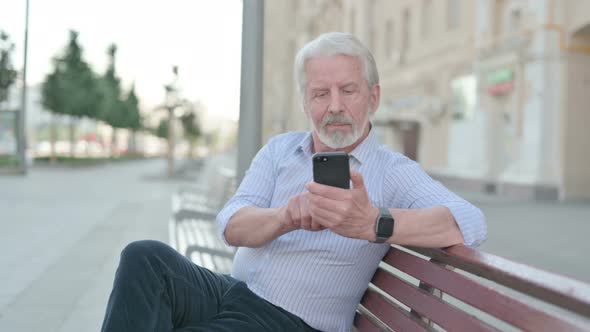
(413, 300)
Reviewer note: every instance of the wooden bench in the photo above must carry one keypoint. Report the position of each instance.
(414, 289)
(406, 294)
(192, 228)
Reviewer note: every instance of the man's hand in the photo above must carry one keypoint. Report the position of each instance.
(348, 212)
(297, 215)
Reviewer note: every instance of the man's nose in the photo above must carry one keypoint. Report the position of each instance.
(335, 102)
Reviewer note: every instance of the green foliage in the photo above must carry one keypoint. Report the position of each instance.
(72, 88)
(7, 72)
(9, 161)
(132, 116)
(116, 110)
(191, 126)
(162, 130)
(112, 110)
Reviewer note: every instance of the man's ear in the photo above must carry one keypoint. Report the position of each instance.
(304, 108)
(375, 98)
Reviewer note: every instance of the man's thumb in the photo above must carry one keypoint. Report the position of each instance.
(357, 179)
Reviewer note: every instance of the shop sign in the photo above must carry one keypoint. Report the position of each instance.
(501, 88)
(500, 81)
(500, 76)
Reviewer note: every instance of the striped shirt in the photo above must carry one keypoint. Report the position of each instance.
(321, 276)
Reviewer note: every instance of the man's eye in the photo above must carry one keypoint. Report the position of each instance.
(347, 92)
(321, 94)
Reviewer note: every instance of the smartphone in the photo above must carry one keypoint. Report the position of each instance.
(332, 169)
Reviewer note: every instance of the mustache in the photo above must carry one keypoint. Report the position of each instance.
(336, 119)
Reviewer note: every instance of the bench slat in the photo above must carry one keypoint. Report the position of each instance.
(189, 214)
(363, 324)
(501, 306)
(397, 318)
(559, 290)
(448, 317)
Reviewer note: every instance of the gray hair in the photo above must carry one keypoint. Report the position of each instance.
(335, 43)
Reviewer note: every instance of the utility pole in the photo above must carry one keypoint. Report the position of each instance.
(22, 135)
(250, 124)
(172, 103)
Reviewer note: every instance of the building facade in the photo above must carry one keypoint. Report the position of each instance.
(491, 95)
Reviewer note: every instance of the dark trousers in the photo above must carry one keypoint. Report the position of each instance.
(157, 289)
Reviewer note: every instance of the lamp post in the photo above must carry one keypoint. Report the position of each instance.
(250, 123)
(171, 104)
(21, 140)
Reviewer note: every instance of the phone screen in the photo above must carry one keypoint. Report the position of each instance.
(332, 169)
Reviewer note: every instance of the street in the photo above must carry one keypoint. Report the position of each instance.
(63, 229)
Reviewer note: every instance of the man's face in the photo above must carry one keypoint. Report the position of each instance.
(338, 100)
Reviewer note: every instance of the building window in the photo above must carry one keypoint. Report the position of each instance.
(389, 38)
(406, 33)
(515, 19)
(426, 18)
(453, 14)
(463, 97)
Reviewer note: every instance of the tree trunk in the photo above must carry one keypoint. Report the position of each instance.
(72, 137)
(114, 143)
(52, 139)
(191, 147)
(132, 143)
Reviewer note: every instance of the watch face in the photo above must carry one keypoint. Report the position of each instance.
(385, 227)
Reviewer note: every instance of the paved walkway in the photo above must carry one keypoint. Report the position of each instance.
(62, 232)
(63, 229)
(548, 235)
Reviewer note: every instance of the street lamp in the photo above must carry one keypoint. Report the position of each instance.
(171, 105)
(249, 128)
(22, 137)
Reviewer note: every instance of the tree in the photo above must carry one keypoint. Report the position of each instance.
(113, 108)
(192, 128)
(53, 99)
(162, 130)
(72, 88)
(133, 120)
(7, 72)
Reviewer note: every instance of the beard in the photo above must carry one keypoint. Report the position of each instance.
(338, 139)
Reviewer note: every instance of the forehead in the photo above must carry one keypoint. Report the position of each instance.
(335, 69)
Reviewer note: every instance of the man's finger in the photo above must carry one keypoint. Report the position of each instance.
(327, 203)
(324, 217)
(323, 190)
(357, 179)
(316, 226)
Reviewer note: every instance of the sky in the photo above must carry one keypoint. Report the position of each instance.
(202, 37)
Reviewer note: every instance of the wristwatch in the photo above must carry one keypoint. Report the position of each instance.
(384, 225)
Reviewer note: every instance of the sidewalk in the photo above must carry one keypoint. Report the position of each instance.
(62, 232)
(549, 235)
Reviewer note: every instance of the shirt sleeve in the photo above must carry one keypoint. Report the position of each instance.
(412, 188)
(256, 189)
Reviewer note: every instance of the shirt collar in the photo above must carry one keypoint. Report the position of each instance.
(368, 146)
(360, 153)
(306, 144)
